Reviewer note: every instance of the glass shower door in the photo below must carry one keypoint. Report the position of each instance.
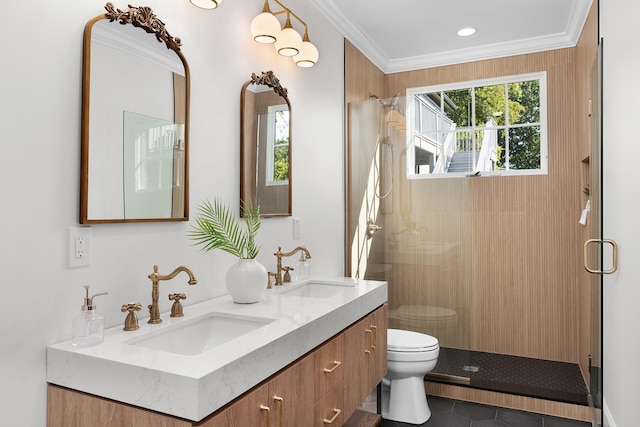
(412, 233)
(594, 245)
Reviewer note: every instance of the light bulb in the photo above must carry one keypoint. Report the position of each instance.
(265, 28)
(289, 40)
(308, 55)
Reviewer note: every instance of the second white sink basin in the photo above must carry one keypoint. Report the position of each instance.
(314, 290)
(201, 334)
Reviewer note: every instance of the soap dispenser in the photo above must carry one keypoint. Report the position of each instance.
(303, 267)
(88, 326)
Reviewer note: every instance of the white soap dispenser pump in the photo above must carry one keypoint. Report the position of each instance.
(88, 326)
(303, 267)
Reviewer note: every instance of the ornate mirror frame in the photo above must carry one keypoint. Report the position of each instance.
(143, 18)
(249, 144)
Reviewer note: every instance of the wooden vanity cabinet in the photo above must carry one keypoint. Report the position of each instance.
(251, 410)
(328, 366)
(328, 376)
(329, 409)
(71, 408)
(287, 400)
(365, 357)
(291, 395)
(327, 384)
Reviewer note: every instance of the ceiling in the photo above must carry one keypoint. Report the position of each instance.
(403, 35)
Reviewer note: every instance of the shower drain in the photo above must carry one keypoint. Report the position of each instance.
(470, 368)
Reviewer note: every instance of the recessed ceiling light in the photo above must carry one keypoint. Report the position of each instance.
(466, 32)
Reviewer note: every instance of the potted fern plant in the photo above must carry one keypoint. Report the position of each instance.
(216, 227)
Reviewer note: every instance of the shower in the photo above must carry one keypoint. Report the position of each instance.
(383, 146)
(432, 246)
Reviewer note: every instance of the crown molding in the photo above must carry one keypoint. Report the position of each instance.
(364, 44)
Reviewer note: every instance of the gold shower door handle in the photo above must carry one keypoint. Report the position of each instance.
(614, 246)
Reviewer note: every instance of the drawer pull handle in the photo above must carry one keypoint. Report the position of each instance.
(266, 409)
(281, 401)
(336, 413)
(369, 333)
(375, 336)
(336, 363)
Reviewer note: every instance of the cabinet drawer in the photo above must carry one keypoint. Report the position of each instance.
(328, 369)
(329, 411)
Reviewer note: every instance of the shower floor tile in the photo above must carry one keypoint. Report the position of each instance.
(545, 379)
(454, 413)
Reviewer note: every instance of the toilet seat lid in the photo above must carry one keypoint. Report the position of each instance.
(421, 312)
(401, 340)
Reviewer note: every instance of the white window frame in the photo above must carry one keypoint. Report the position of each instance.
(271, 145)
(411, 125)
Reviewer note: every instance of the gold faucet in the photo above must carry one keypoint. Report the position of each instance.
(279, 254)
(154, 310)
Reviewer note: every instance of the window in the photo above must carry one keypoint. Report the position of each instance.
(277, 170)
(488, 127)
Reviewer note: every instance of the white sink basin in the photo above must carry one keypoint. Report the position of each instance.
(201, 334)
(315, 290)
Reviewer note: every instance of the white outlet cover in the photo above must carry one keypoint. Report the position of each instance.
(72, 245)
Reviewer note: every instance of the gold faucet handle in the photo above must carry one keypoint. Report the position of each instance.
(269, 276)
(287, 275)
(176, 308)
(131, 321)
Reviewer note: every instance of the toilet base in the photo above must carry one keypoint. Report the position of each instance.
(404, 400)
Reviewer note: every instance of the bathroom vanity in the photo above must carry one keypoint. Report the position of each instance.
(307, 355)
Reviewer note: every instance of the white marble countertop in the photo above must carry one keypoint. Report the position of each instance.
(194, 386)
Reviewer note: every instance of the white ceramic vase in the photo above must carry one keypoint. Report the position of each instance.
(246, 281)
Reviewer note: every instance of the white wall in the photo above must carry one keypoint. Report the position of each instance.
(40, 131)
(621, 370)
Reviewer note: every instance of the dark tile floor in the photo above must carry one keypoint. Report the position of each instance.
(545, 379)
(453, 413)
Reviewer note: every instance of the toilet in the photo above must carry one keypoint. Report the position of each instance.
(410, 356)
(432, 320)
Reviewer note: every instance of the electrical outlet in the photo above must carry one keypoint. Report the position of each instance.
(79, 246)
(296, 228)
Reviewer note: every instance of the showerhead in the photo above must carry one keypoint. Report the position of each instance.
(388, 105)
(394, 100)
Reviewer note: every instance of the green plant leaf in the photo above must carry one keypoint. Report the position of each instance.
(216, 227)
(251, 214)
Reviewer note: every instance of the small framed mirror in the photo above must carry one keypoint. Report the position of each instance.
(265, 145)
(135, 120)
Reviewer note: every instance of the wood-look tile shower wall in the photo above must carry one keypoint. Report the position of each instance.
(517, 275)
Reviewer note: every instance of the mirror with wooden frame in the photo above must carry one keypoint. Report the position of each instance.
(265, 145)
(135, 120)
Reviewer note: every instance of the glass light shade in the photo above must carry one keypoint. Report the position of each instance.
(265, 28)
(206, 4)
(308, 55)
(289, 42)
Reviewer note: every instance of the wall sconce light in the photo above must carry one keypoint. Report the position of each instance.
(266, 28)
(206, 4)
